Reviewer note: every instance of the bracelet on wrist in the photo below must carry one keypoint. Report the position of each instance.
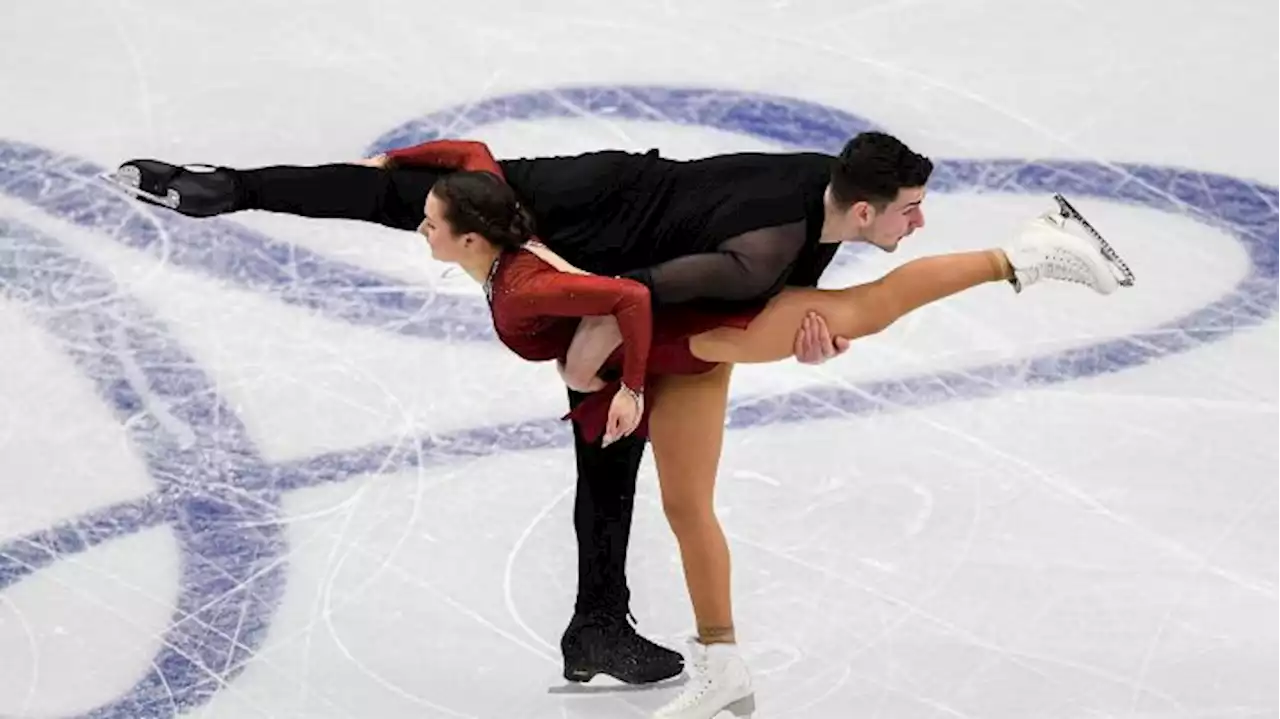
(638, 397)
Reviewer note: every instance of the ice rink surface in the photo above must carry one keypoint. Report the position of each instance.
(264, 466)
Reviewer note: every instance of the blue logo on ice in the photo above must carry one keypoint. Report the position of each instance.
(221, 498)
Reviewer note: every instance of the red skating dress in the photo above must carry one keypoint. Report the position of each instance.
(452, 154)
(536, 310)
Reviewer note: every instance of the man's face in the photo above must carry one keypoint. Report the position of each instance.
(883, 228)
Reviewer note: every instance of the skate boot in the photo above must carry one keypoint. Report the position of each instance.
(607, 643)
(719, 681)
(193, 190)
(1048, 249)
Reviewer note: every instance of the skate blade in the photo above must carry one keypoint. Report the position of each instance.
(1124, 276)
(613, 686)
(129, 186)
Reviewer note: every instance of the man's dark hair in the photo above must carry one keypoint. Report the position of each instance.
(873, 167)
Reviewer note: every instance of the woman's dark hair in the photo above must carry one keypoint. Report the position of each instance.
(481, 202)
(873, 167)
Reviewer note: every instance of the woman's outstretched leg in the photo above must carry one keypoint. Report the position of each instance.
(852, 312)
(686, 430)
(1045, 250)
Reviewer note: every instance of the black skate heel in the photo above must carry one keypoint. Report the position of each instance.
(606, 644)
(192, 190)
(1124, 276)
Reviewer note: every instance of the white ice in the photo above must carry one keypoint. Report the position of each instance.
(256, 467)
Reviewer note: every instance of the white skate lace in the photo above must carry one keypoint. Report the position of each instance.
(698, 687)
(1066, 266)
(1058, 263)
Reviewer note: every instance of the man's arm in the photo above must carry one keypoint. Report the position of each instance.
(753, 265)
(810, 265)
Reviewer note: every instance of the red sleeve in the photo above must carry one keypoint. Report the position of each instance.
(563, 294)
(453, 154)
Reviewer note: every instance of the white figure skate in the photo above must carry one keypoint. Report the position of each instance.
(1048, 249)
(718, 681)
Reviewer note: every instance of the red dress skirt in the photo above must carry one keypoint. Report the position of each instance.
(668, 354)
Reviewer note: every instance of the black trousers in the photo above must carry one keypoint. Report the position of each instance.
(394, 198)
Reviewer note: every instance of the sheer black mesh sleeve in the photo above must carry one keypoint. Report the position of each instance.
(812, 263)
(753, 265)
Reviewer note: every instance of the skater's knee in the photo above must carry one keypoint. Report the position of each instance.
(689, 514)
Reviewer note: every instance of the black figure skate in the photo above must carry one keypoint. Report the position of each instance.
(192, 190)
(607, 643)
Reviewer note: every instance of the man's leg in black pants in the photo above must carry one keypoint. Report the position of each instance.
(393, 198)
(600, 638)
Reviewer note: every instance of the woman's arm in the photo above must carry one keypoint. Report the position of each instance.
(563, 294)
(451, 154)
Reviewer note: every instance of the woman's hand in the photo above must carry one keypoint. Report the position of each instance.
(378, 161)
(624, 415)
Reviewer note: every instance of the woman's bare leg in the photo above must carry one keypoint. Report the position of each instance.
(686, 430)
(852, 312)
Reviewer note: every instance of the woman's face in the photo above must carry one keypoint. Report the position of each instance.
(446, 246)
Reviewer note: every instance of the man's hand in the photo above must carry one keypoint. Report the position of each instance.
(814, 344)
(379, 161)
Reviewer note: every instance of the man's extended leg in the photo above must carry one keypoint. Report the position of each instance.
(393, 198)
(600, 638)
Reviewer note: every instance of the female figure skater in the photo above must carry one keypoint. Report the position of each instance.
(537, 301)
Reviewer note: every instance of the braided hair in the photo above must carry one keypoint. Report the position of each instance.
(481, 202)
